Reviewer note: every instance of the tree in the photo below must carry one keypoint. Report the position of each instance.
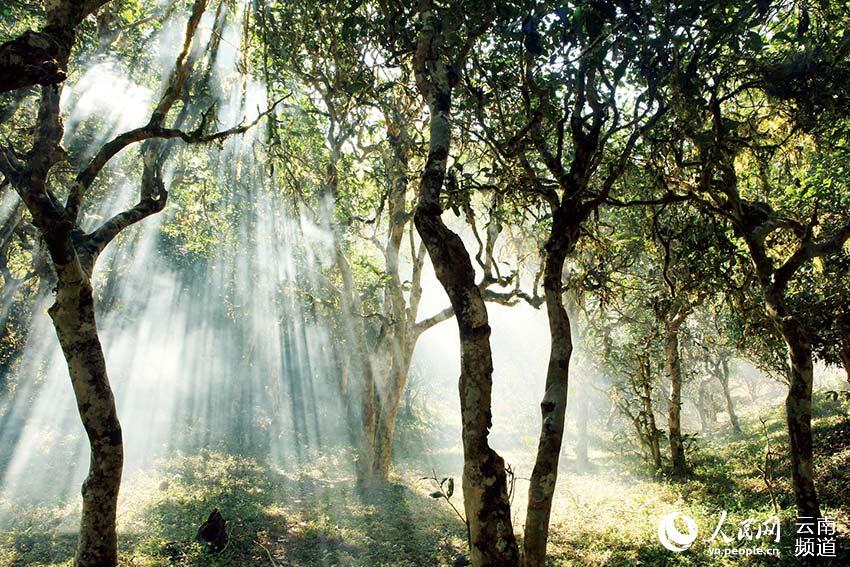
(438, 49)
(731, 166)
(561, 141)
(368, 112)
(74, 252)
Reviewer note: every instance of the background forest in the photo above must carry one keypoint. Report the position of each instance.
(396, 283)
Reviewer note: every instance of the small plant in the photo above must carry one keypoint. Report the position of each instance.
(445, 490)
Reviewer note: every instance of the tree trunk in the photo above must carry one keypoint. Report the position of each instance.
(553, 407)
(582, 461)
(723, 377)
(844, 353)
(702, 403)
(41, 58)
(654, 437)
(74, 320)
(798, 403)
(366, 391)
(390, 403)
(485, 495)
(674, 369)
(649, 413)
(403, 340)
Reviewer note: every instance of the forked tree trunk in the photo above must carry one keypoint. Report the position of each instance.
(403, 340)
(553, 407)
(365, 390)
(74, 320)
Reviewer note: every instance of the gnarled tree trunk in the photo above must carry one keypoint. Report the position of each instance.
(485, 496)
(41, 57)
(798, 404)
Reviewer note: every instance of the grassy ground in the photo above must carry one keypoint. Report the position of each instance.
(314, 515)
(611, 518)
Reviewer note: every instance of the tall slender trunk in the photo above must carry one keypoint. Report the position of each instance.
(355, 330)
(654, 433)
(74, 320)
(702, 403)
(385, 430)
(365, 390)
(723, 377)
(403, 339)
(674, 370)
(553, 407)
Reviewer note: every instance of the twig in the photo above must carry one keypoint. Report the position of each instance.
(268, 553)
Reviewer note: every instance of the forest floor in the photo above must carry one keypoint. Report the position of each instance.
(316, 516)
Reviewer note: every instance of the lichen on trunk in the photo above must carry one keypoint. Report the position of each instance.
(73, 316)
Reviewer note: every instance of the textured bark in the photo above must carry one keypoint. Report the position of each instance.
(485, 496)
(674, 371)
(553, 407)
(798, 404)
(649, 414)
(74, 320)
(41, 57)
